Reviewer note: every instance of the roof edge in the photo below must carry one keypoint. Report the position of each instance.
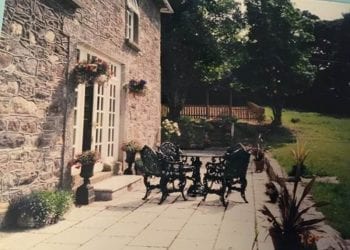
(167, 9)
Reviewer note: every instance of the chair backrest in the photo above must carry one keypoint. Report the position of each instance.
(237, 162)
(170, 151)
(150, 162)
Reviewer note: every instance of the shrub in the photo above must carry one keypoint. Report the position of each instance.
(170, 130)
(192, 132)
(37, 209)
(295, 120)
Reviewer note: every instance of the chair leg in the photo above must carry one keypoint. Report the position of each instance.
(148, 187)
(222, 193)
(182, 184)
(243, 187)
(205, 190)
(163, 188)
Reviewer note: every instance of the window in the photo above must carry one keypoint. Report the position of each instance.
(132, 21)
(2, 9)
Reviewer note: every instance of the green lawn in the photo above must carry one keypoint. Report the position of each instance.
(329, 141)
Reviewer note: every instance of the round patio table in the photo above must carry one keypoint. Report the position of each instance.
(197, 189)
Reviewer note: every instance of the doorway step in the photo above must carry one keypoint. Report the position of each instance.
(109, 188)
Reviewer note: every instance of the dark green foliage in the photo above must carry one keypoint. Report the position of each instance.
(200, 133)
(291, 226)
(295, 120)
(193, 133)
(200, 44)
(37, 209)
(332, 59)
(278, 52)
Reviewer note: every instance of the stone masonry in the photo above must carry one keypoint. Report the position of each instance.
(37, 53)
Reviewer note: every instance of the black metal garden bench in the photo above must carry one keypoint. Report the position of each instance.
(228, 172)
(171, 175)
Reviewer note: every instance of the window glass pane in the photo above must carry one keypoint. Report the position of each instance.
(74, 135)
(78, 55)
(75, 117)
(2, 9)
(136, 28)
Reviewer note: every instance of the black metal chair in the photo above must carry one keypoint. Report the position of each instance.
(169, 172)
(170, 150)
(227, 171)
(173, 152)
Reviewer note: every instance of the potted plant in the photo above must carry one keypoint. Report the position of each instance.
(291, 231)
(300, 153)
(130, 148)
(259, 159)
(85, 161)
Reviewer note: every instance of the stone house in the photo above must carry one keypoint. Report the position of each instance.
(45, 116)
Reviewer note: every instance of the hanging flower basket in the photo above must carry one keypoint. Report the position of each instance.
(137, 87)
(96, 71)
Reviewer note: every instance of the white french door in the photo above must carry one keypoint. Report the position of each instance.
(96, 112)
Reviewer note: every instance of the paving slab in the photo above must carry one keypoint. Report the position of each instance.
(191, 244)
(106, 242)
(154, 238)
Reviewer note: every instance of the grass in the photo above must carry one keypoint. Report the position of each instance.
(329, 141)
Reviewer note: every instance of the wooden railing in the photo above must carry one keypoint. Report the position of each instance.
(251, 112)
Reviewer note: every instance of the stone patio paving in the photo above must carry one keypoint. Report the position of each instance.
(128, 222)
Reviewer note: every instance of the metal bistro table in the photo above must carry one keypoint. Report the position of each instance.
(197, 189)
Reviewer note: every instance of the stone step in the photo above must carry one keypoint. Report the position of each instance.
(105, 189)
(97, 177)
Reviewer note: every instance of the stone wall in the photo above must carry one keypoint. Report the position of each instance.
(37, 52)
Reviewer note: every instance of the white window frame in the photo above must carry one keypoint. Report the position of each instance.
(132, 21)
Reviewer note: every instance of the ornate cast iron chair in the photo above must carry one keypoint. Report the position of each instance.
(227, 171)
(170, 150)
(169, 172)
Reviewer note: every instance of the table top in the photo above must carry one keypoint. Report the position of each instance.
(192, 153)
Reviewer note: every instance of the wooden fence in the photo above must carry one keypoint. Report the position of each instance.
(251, 112)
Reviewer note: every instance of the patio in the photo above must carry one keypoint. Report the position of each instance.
(128, 222)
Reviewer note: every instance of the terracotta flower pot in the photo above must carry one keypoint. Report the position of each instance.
(259, 165)
(284, 242)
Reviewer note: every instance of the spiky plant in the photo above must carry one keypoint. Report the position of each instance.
(291, 227)
(300, 153)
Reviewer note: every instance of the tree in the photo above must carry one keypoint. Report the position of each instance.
(199, 42)
(332, 58)
(278, 51)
